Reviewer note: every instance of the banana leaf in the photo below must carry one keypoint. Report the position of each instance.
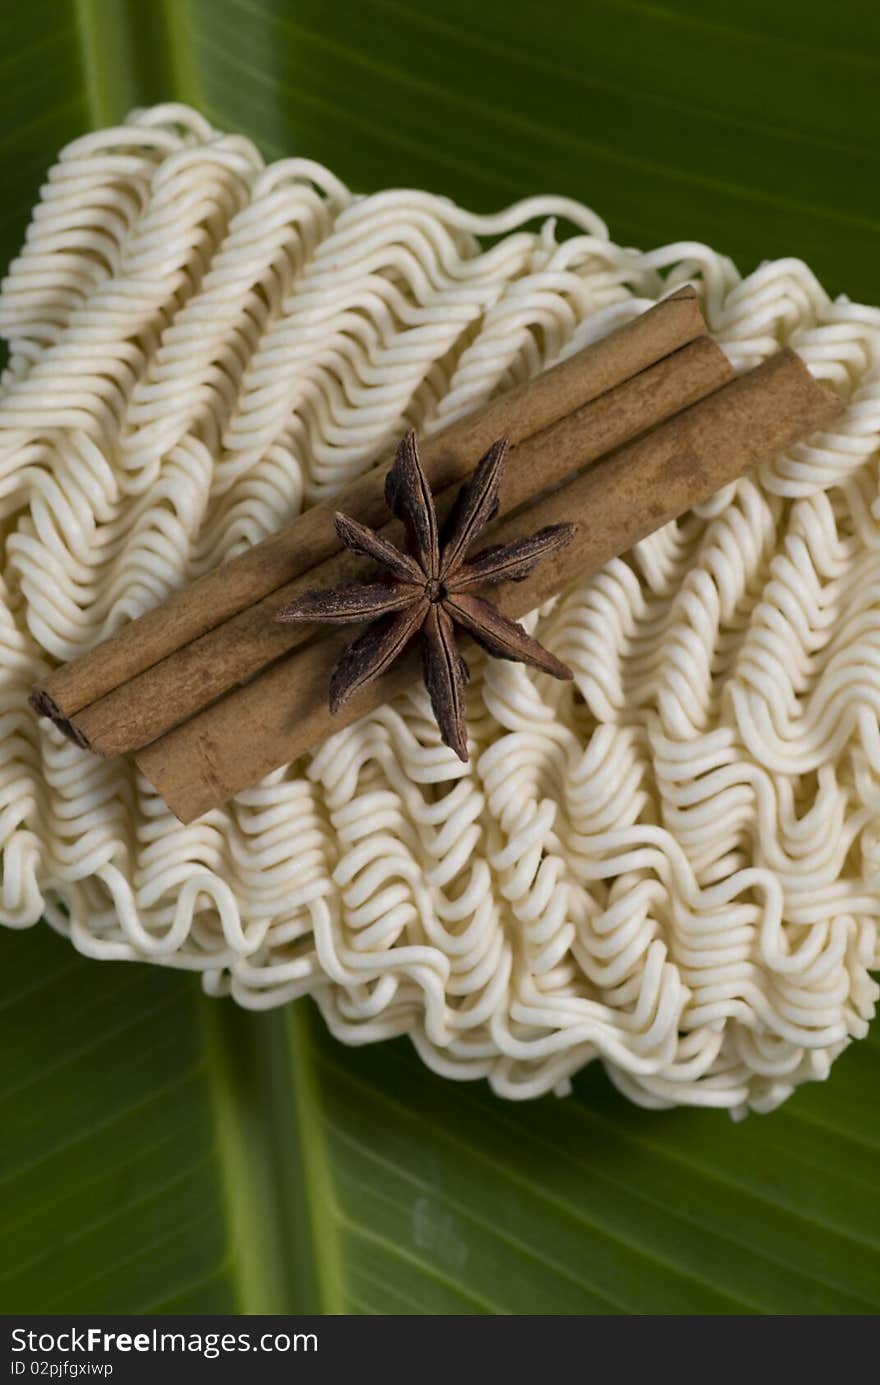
(167, 1153)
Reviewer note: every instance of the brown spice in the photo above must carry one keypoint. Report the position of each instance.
(431, 589)
(283, 713)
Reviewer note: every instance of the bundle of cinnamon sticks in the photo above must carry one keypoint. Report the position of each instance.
(211, 693)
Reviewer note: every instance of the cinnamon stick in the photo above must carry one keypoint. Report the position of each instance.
(310, 538)
(153, 702)
(283, 713)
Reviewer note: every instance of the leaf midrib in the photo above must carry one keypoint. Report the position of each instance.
(282, 1238)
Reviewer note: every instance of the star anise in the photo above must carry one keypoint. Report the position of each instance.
(432, 588)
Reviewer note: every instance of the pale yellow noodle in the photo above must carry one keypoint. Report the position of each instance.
(672, 866)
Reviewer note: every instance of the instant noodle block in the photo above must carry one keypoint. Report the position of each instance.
(671, 864)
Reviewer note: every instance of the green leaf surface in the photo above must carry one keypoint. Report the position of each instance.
(162, 1152)
(168, 1153)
